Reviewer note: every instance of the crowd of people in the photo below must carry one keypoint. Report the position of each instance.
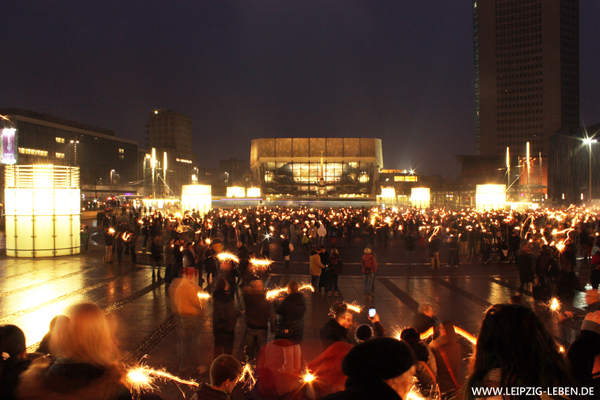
(80, 357)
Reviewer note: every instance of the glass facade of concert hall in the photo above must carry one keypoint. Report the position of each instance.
(316, 166)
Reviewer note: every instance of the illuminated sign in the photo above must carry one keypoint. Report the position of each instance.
(9, 146)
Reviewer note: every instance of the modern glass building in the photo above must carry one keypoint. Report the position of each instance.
(321, 167)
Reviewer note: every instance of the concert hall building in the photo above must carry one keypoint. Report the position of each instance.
(324, 167)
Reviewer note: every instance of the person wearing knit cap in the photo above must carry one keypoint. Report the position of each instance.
(380, 368)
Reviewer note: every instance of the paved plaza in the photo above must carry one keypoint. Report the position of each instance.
(32, 291)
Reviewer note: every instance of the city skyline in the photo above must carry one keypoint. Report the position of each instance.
(247, 70)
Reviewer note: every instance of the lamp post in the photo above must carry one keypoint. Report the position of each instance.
(589, 142)
(111, 181)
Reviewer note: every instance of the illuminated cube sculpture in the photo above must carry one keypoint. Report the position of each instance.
(490, 197)
(42, 204)
(236, 191)
(196, 197)
(420, 197)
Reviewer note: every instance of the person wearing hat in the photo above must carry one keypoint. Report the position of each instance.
(380, 368)
(369, 268)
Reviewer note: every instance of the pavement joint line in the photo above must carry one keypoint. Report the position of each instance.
(401, 295)
(29, 310)
(46, 282)
(144, 346)
(470, 296)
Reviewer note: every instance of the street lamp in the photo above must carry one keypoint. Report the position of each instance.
(589, 142)
(111, 181)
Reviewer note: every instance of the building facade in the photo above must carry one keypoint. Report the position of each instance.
(171, 164)
(104, 159)
(316, 166)
(526, 55)
(569, 166)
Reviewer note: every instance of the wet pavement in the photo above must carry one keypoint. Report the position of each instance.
(33, 291)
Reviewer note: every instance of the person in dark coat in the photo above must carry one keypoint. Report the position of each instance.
(584, 351)
(285, 250)
(336, 329)
(425, 319)
(224, 318)
(380, 368)
(290, 326)
(13, 359)
(448, 356)
(335, 270)
(225, 372)
(259, 316)
(525, 267)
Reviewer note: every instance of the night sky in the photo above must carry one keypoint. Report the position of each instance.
(397, 70)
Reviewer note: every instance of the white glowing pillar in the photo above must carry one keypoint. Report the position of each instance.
(42, 210)
(196, 197)
(490, 197)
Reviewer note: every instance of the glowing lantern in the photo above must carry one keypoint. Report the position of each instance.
(196, 197)
(490, 197)
(254, 192)
(420, 197)
(42, 210)
(236, 191)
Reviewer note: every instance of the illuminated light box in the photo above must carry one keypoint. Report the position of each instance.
(196, 197)
(254, 192)
(490, 197)
(420, 197)
(42, 204)
(236, 191)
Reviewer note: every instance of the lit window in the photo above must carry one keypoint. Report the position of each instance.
(60, 140)
(60, 155)
(33, 152)
(121, 157)
(122, 151)
(183, 161)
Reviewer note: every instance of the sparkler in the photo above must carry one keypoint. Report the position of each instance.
(260, 263)
(427, 334)
(141, 378)
(271, 294)
(466, 335)
(307, 377)
(436, 229)
(203, 295)
(354, 306)
(247, 376)
(554, 304)
(224, 256)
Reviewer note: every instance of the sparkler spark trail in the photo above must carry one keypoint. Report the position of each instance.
(224, 256)
(203, 295)
(354, 306)
(466, 335)
(141, 378)
(428, 333)
(271, 294)
(260, 263)
(247, 376)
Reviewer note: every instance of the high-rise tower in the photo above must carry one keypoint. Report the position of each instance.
(526, 72)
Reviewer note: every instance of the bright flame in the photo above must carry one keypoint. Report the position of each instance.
(247, 376)
(427, 334)
(271, 294)
(466, 335)
(554, 304)
(141, 378)
(561, 349)
(308, 377)
(203, 295)
(357, 308)
(227, 257)
(260, 262)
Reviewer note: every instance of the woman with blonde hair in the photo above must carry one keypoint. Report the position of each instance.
(87, 364)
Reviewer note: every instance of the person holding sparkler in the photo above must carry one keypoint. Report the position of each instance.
(337, 328)
(225, 373)
(380, 368)
(369, 268)
(259, 316)
(515, 350)
(225, 317)
(109, 241)
(185, 304)
(290, 326)
(87, 364)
